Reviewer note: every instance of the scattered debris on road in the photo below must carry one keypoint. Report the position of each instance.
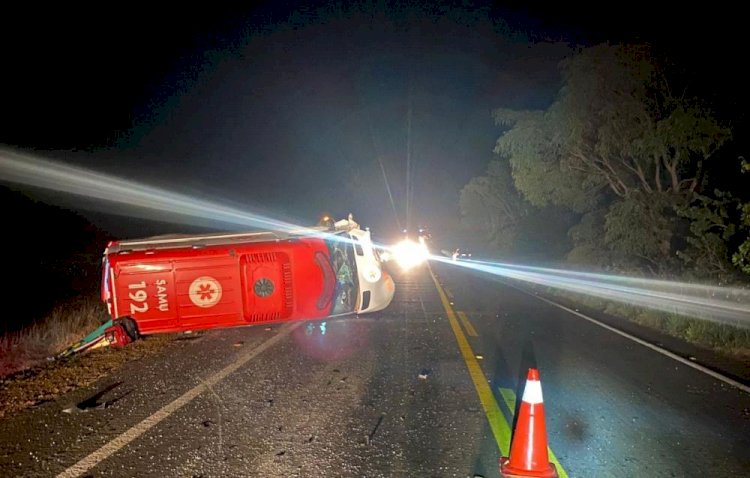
(424, 374)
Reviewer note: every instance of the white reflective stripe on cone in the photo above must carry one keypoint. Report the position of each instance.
(533, 392)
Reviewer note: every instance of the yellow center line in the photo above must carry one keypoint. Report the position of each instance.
(509, 397)
(467, 324)
(498, 424)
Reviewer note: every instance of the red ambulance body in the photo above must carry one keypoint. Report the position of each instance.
(178, 283)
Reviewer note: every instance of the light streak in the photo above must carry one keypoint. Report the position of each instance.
(730, 305)
(28, 170)
(46, 174)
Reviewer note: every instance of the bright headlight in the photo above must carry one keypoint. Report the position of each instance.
(409, 253)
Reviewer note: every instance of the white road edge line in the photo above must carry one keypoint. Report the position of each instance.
(139, 429)
(653, 347)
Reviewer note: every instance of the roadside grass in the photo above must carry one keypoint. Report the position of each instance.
(51, 380)
(66, 324)
(28, 379)
(723, 338)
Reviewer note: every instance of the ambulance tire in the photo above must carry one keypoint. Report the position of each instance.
(130, 327)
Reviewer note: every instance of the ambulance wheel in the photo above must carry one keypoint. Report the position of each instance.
(130, 327)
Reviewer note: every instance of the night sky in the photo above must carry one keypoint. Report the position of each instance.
(288, 109)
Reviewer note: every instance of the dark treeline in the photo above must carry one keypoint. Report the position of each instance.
(50, 255)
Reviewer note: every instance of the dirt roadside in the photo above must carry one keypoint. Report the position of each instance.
(46, 382)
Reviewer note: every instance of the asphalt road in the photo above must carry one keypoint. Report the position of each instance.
(416, 390)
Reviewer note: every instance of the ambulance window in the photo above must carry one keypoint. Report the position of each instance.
(357, 246)
(345, 269)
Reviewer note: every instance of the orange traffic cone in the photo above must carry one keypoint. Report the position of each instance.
(528, 451)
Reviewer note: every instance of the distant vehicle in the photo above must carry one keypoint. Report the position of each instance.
(178, 283)
(461, 254)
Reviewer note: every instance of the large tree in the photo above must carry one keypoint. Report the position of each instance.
(621, 140)
(616, 123)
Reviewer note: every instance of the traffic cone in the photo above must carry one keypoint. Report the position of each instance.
(528, 451)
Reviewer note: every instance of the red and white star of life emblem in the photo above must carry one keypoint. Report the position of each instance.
(205, 291)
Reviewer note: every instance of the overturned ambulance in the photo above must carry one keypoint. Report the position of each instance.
(178, 283)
